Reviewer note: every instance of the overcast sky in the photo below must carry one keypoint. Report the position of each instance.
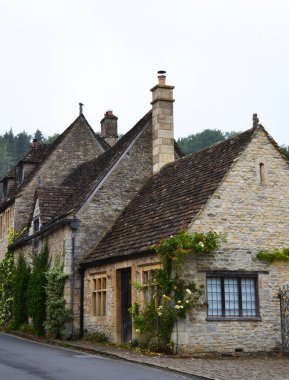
(226, 58)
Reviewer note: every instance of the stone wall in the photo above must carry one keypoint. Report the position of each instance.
(78, 145)
(122, 185)
(5, 230)
(254, 216)
(110, 324)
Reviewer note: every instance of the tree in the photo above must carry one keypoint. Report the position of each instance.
(36, 294)
(9, 141)
(22, 274)
(7, 281)
(4, 158)
(51, 139)
(285, 150)
(56, 313)
(22, 145)
(38, 136)
(200, 140)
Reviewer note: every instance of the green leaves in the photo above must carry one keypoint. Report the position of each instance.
(156, 321)
(275, 255)
(7, 280)
(56, 313)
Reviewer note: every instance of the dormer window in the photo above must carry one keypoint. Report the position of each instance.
(5, 187)
(19, 174)
(36, 224)
(261, 172)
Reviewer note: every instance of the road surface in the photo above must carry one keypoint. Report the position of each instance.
(21, 359)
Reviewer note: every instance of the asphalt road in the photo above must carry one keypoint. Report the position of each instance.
(21, 359)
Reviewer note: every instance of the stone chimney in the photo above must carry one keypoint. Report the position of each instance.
(109, 128)
(162, 123)
(34, 143)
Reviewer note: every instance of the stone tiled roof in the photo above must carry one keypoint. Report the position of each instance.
(51, 199)
(84, 179)
(170, 200)
(37, 155)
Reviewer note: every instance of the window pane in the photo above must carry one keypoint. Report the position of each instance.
(231, 296)
(104, 304)
(98, 303)
(248, 297)
(214, 296)
(104, 283)
(94, 304)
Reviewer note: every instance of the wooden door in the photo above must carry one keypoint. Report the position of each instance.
(126, 321)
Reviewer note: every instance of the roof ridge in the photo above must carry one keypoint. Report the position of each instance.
(170, 199)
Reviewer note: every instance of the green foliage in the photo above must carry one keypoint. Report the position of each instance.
(201, 140)
(154, 324)
(275, 255)
(7, 281)
(285, 150)
(96, 337)
(22, 273)
(38, 136)
(7, 275)
(56, 313)
(51, 139)
(36, 294)
(26, 328)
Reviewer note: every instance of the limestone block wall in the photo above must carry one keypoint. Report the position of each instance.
(77, 146)
(99, 214)
(255, 216)
(110, 324)
(5, 229)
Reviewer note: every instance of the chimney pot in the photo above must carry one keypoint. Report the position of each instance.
(162, 77)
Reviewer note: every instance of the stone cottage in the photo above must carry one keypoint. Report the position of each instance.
(238, 187)
(74, 214)
(104, 212)
(44, 165)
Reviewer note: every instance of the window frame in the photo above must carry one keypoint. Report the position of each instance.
(150, 288)
(1, 226)
(142, 268)
(239, 276)
(7, 222)
(99, 296)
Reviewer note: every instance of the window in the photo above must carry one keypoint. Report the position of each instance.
(150, 289)
(1, 226)
(19, 174)
(8, 221)
(231, 296)
(99, 296)
(262, 172)
(5, 187)
(36, 224)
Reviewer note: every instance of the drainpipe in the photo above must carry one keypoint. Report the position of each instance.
(81, 273)
(74, 226)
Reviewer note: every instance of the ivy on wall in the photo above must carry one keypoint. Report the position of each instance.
(281, 254)
(174, 297)
(32, 290)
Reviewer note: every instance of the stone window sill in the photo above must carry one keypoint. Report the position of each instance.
(234, 319)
